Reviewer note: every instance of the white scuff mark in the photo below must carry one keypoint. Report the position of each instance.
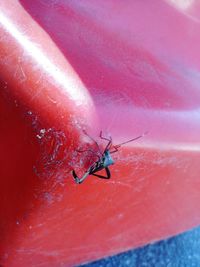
(52, 100)
(38, 252)
(121, 183)
(132, 158)
(173, 161)
(23, 250)
(165, 161)
(22, 71)
(39, 78)
(39, 225)
(36, 94)
(20, 74)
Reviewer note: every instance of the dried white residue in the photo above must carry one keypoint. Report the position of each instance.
(49, 197)
(53, 151)
(41, 133)
(52, 160)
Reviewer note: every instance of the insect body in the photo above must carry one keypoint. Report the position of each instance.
(103, 163)
(104, 159)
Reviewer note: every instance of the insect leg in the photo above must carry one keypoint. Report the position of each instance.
(80, 180)
(115, 149)
(103, 177)
(109, 141)
(92, 140)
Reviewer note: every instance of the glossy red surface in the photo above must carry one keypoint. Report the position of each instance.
(121, 68)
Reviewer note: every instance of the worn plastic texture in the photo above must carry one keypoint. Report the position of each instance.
(123, 68)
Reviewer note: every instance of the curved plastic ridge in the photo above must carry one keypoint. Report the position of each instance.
(134, 66)
(36, 72)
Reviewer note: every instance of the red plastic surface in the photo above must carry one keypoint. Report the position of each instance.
(124, 68)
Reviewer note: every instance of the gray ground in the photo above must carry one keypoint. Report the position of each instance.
(180, 251)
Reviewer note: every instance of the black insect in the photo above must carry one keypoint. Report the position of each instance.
(104, 159)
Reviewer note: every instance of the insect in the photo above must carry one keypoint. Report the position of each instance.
(104, 159)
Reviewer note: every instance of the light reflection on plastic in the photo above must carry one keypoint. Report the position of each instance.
(182, 4)
(68, 83)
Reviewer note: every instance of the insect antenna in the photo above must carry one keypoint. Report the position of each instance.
(131, 140)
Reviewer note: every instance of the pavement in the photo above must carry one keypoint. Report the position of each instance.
(179, 251)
